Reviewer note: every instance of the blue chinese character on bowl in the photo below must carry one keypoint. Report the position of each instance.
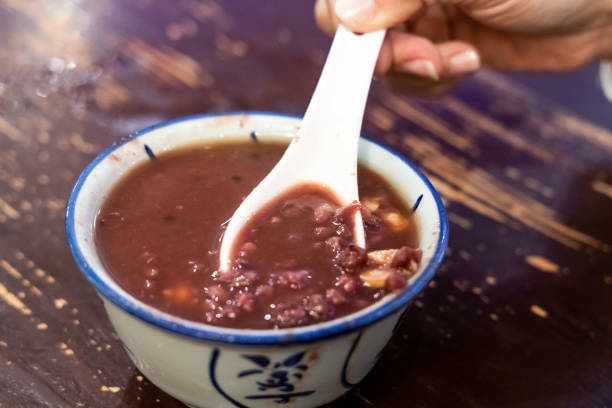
(274, 380)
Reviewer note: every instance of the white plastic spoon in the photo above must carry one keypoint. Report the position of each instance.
(324, 151)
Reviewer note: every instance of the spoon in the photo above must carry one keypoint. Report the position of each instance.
(324, 150)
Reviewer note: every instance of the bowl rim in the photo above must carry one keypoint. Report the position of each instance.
(202, 331)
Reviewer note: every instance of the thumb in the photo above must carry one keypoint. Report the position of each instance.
(369, 15)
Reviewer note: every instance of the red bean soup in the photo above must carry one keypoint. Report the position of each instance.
(294, 264)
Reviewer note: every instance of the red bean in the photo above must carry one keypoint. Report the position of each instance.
(246, 278)
(230, 310)
(343, 231)
(351, 258)
(347, 283)
(209, 305)
(217, 293)
(323, 213)
(291, 316)
(395, 281)
(323, 232)
(245, 301)
(264, 290)
(294, 279)
(227, 275)
(334, 243)
(404, 255)
(298, 279)
(242, 260)
(401, 257)
(417, 255)
(318, 307)
(335, 296)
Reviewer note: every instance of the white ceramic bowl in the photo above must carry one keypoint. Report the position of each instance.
(208, 366)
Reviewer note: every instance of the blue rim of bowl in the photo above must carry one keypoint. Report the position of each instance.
(209, 333)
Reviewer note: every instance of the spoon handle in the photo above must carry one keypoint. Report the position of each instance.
(335, 112)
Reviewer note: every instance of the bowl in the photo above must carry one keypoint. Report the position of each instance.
(209, 366)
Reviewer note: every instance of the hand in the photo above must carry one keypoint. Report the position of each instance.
(432, 44)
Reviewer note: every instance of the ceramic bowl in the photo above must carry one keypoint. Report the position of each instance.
(208, 366)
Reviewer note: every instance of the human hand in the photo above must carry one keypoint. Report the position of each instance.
(432, 44)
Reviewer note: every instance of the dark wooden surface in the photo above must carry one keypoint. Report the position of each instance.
(519, 315)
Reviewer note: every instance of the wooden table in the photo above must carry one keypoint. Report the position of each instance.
(519, 314)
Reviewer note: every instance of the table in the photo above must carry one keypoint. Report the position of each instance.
(519, 314)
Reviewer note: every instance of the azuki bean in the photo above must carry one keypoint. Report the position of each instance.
(335, 296)
(352, 257)
(395, 281)
(334, 243)
(291, 316)
(217, 293)
(323, 213)
(318, 307)
(264, 290)
(323, 232)
(297, 280)
(347, 283)
(404, 255)
(245, 301)
(227, 275)
(245, 278)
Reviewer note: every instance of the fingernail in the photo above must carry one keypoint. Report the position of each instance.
(465, 62)
(422, 68)
(355, 12)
